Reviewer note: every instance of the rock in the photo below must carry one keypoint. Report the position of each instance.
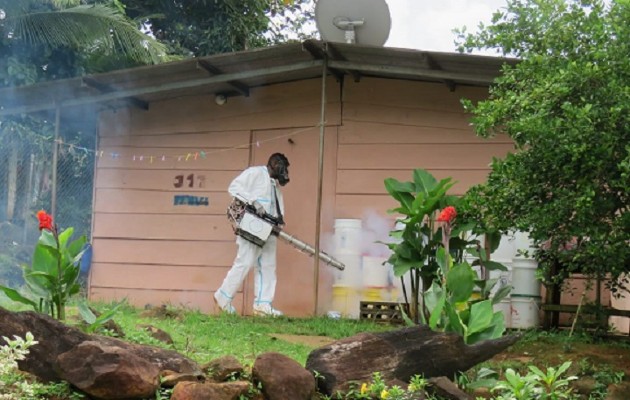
(283, 378)
(210, 390)
(618, 391)
(446, 389)
(55, 339)
(157, 333)
(169, 379)
(398, 355)
(223, 368)
(106, 372)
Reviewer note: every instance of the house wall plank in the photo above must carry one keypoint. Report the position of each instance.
(169, 252)
(165, 180)
(159, 202)
(288, 105)
(162, 227)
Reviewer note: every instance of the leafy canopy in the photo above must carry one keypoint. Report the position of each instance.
(566, 105)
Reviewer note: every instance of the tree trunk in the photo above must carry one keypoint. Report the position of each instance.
(398, 356)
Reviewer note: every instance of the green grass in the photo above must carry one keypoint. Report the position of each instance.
(205, 337)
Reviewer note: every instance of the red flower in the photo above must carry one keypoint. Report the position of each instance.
(447, 215)
(45, 220)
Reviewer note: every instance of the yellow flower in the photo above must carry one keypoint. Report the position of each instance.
(364, 388)
(384, 394)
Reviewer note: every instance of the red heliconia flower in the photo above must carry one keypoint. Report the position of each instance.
(447, 215)
(45, 220)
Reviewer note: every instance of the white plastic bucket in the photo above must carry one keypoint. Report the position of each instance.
(346, 301)
(525, 312)
(375, 272)
(351, 275)
(348, 235)
(524, 280)
(505, 308)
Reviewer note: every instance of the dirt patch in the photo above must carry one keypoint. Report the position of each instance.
(311, 341)
(544, 352)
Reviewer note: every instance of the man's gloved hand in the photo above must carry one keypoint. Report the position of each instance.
(260, 210)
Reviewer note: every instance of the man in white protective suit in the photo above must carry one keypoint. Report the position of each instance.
(258, 187)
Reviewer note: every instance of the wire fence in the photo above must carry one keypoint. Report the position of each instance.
(32, 178)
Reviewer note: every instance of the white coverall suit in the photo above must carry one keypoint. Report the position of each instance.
(254, 184)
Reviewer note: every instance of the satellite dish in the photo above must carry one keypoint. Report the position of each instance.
(353, 21)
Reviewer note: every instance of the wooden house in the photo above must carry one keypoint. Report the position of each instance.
(171, 137)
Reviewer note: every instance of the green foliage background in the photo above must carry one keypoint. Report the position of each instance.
(566, 105)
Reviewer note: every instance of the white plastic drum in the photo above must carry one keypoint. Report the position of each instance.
(348, 235)
(375, 272)
(524, 280)
(525, 312)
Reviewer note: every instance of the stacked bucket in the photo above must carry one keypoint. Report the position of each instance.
(521, 307)
(347, 285)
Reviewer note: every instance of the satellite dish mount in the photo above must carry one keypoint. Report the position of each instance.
(364, 22)
(347, 25)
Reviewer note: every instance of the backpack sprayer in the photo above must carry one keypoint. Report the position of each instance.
(257, 229)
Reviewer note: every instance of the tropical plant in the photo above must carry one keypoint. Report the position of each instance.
(536, 384)
(450, 297)
(96, 321)
(425, 248)
(566, 106)
(53, 276)
(100, 28)
(11, 352)
(204, 27)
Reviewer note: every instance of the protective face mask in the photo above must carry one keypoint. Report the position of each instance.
(281, 173)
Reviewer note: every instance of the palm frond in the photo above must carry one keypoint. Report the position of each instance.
(86, 26)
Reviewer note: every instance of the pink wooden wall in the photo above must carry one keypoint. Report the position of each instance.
(152, 251)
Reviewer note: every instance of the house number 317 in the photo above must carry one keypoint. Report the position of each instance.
(189, 180)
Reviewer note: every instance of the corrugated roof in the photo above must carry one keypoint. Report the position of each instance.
(233, 74)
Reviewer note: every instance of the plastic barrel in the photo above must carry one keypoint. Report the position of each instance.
(375, 272)
(525, 312)
(524, 280)
(346, 301)
(348, 235)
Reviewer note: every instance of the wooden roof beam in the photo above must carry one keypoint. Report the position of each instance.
(105, 88)
(334, 54)
(318, 54)
(238, 86)
(434, 65)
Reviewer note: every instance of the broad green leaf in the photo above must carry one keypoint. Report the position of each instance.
(77, 246)
(424, 181)
(454, 324)
(402, 266)
(481, 315)
(17, 297)
(436, 313)
(494, 331)
(444, 260)
(501, 294)
(494, 266)
(46, 238)
(460, 281)
(432, 296)
(64, 237)
(44, 259)
(85, 312)
(493, 240)
(401, 191)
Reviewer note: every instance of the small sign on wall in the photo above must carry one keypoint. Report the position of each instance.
(189, 200)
